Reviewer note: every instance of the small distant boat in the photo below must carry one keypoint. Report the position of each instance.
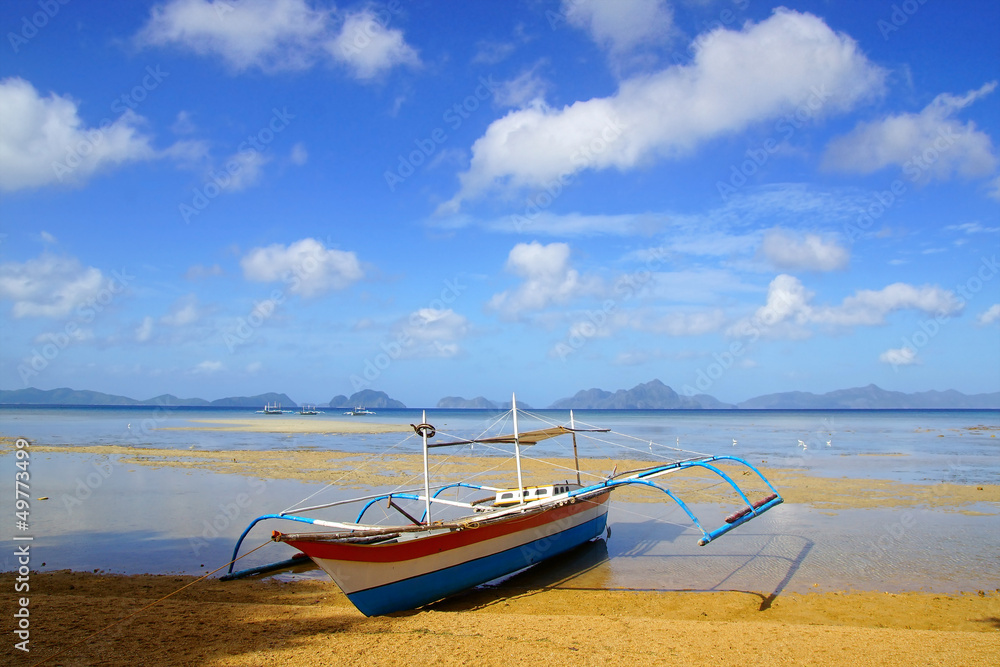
(359, 412)
(309, 410)
(475, 538)
(272, 409)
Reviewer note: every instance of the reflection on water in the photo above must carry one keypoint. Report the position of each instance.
(106, 515)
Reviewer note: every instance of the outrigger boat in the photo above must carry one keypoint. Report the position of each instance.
(465, 543)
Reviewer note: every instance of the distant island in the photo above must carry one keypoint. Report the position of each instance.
(652, 395)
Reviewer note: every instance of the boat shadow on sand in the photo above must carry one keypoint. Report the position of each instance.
(586, 568)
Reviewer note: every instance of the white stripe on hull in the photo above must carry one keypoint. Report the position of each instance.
(354, 576)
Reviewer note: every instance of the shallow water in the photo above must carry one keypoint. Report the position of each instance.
(104, 514)
(904, 445)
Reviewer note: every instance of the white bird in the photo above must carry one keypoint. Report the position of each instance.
(734, 442)
(828, 443)
(802, 445)
(130, 425)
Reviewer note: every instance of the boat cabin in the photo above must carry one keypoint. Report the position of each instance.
(531, 493)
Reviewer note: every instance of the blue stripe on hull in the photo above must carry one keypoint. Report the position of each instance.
(417, 591)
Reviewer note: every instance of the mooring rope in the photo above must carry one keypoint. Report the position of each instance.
(151, 604)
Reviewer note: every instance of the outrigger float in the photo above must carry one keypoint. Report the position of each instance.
(468, 542)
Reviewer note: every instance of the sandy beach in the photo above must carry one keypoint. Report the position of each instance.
(532, 617)
(309, 623)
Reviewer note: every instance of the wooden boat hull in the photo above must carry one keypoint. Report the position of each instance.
(384, 578)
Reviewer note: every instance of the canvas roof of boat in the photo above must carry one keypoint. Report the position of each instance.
(526, 438)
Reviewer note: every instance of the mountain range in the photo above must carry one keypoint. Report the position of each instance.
(652, 395)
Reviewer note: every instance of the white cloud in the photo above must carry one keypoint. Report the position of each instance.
(523, 90)
(48, 238)
(144, 331)
(927, 145)
(245, 169)
(787, 252)
(267, 34)
(183, 312)
(433, 333)
(903, 356)
(737, 79)
(306, 266)
(548, 279)
(620, 25)
(789, 310)
(50, 286)
(279, 35)
(44, 141)
(869, 307)
(991, 315)
(369, 48)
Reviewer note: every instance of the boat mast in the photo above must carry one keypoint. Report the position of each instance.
(427, 483)
(517, 448)
(576, 459)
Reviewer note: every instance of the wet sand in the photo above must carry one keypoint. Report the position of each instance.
(290, 425)
(364, 470)
(307, 623)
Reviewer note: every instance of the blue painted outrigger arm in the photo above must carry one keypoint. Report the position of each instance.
(751, 511)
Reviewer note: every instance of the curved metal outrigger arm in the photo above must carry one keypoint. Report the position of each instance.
(736, 519)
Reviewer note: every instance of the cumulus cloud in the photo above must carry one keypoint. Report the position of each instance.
(620, 25)
(737, 79)
(812, 253)
(547, 279)
(903, 356)
(183, 312)
(50, 286)
(929, 145)
(44, 141)
(306, 266)
(990, 315)
(789, 309)
(433, 333)
(279, 35)
(368, 48)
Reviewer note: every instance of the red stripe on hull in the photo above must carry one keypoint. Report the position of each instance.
(418, 548)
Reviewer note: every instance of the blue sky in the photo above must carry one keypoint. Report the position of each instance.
(457, 199)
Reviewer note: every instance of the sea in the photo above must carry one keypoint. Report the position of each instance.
(105, 515)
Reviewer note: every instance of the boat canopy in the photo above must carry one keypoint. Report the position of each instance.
(526, 438)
